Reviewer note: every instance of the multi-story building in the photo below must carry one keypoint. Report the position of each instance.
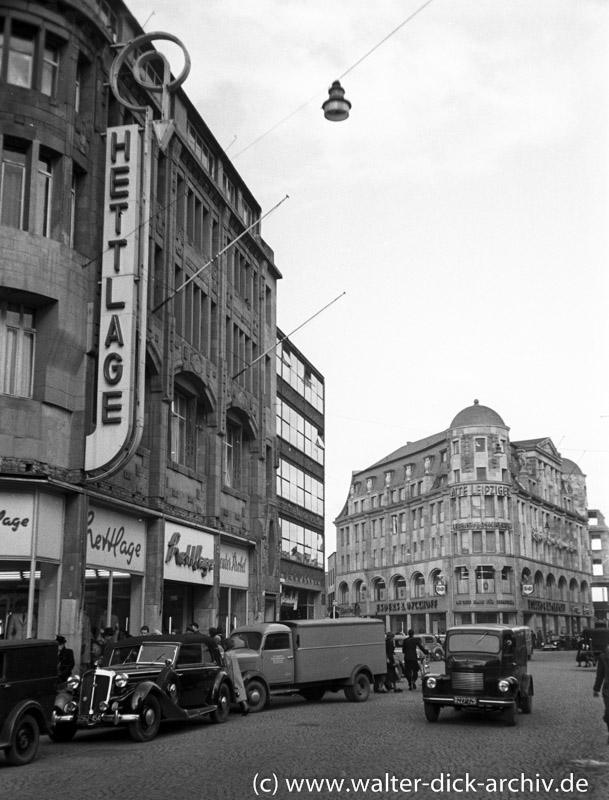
(137, 303)
(599, 547)
(467, 526)
(300, 482)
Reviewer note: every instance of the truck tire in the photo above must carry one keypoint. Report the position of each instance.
(526, 704)
(432, 712)
(360, 691)
(510, 714)
(257, 695)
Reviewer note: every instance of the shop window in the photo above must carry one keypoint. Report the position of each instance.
(17, 339)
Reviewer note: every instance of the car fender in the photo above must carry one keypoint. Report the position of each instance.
(142, 691)
(527, 686)
(63, 697)
(25, 707)
(224, 678)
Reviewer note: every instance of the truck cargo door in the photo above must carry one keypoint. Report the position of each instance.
(278, 658)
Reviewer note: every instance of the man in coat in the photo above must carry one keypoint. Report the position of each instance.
(65, 660)
(410, 646)
(601, 684)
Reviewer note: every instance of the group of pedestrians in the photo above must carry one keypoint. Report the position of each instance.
(410, 649)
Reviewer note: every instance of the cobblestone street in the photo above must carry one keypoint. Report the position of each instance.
(386, 739)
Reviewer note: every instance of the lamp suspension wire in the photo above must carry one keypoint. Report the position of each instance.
(287, 336)
(346, 72)
(221, 252)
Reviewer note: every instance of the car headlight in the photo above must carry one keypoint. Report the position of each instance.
(431, 682)
(504, 686)
(121, 680)
(73, 681)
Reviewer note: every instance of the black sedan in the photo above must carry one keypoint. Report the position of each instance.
(143, 680)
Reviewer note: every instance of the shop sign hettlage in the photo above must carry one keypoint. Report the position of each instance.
(189, 555)
(16, 524)
(115, 541)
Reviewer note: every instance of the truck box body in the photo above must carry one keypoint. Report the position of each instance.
(329, 649)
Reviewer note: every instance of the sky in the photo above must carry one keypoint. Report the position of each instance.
(460, 215)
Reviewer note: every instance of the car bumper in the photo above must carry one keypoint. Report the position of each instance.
(91, 720)
(470, 702)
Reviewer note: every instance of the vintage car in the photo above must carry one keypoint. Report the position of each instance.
(143, 680)
(28, 685)
(486, 671)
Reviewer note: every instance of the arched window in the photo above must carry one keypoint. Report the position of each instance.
(418, 585)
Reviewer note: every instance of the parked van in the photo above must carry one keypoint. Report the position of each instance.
(310, 657)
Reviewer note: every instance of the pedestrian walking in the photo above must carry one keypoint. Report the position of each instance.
(391, 678)
(410, 646)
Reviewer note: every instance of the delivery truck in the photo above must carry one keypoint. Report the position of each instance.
(310, 658)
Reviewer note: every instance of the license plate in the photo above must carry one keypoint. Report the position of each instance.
(466, 701)
(89, 719)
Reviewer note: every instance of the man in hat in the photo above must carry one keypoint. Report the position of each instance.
(65, 660)
(193, 628)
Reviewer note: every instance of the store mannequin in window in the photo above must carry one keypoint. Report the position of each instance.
(17, 624)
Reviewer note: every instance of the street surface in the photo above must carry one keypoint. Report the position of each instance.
(386, 740)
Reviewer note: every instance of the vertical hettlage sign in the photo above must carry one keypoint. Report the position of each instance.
(117, 359)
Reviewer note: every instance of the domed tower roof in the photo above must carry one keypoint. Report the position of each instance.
(477, 415)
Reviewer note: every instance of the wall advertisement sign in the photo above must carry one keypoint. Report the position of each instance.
(189, 555)
(117, 368)
(115, 541)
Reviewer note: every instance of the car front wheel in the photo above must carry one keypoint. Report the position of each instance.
(432, 712)
(147, 726)
(223, 706)
(24, 742)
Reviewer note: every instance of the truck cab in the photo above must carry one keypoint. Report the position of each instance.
(486, 671)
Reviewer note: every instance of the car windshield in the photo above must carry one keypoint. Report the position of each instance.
(147, 653)
(247, 639)
(470, 642)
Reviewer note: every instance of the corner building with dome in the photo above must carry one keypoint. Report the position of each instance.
(467, 526)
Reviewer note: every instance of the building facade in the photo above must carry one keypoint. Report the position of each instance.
(467, 526)
(137, 303)
(599, 550)
(300, 482)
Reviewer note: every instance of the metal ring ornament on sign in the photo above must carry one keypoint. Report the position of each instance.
(138, 67)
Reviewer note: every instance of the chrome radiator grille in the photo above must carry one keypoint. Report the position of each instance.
(467, 681)
(95, 688)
